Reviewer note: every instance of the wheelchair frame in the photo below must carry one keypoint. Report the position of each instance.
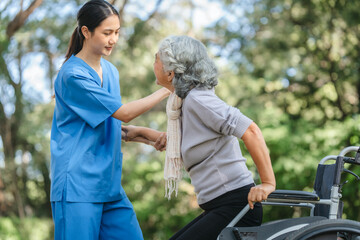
(286, 228)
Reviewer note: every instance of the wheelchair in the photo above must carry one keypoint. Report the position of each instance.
(325, 221)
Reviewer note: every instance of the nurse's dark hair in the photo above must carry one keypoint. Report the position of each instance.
(91, 14)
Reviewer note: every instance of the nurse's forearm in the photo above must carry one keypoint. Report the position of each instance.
(131, 110)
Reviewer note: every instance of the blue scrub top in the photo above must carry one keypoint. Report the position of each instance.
(86, 158)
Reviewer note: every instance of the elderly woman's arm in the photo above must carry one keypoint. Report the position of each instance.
(255, 144)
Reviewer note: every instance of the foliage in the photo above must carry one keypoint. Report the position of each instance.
(26, 229)
(290, 65)
(299, 72)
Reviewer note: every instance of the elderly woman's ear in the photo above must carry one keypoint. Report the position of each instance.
(171, 75)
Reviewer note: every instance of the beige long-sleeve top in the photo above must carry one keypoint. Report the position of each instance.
(210, 148)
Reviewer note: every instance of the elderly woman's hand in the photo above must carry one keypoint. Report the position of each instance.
(259, 193)
(160, 143)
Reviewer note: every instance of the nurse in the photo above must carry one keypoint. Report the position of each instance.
(87, 199)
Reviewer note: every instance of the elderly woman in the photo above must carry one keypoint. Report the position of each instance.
(208, 141)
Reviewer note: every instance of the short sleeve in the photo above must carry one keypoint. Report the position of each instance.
(218, 115)
(88, 100)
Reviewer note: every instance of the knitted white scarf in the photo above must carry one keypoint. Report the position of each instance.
(173, 161)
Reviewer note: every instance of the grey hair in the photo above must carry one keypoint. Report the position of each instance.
(189, 60)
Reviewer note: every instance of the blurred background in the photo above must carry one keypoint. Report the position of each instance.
(290, 65)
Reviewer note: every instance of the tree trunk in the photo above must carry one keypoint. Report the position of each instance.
(9, 125)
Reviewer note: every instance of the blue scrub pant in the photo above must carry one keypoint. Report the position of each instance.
(95, 221)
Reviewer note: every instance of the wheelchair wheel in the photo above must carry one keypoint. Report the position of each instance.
(328, 229)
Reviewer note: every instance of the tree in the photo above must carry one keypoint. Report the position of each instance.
(41, 39)
(290, 65)
(11, 91)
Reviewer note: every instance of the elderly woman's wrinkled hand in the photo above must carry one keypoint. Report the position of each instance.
(160, 143)
(259, 193)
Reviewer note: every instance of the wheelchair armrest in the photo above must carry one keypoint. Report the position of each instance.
(292, 196)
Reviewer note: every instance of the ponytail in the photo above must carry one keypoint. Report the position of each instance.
(76, 43)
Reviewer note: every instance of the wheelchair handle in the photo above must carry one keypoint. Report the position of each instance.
(345, 151)
(350, 149)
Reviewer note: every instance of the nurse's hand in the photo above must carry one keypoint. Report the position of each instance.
(128, 132)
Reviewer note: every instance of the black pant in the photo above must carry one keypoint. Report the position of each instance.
(218, 213)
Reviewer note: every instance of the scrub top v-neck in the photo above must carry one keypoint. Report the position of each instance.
(86, 158)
